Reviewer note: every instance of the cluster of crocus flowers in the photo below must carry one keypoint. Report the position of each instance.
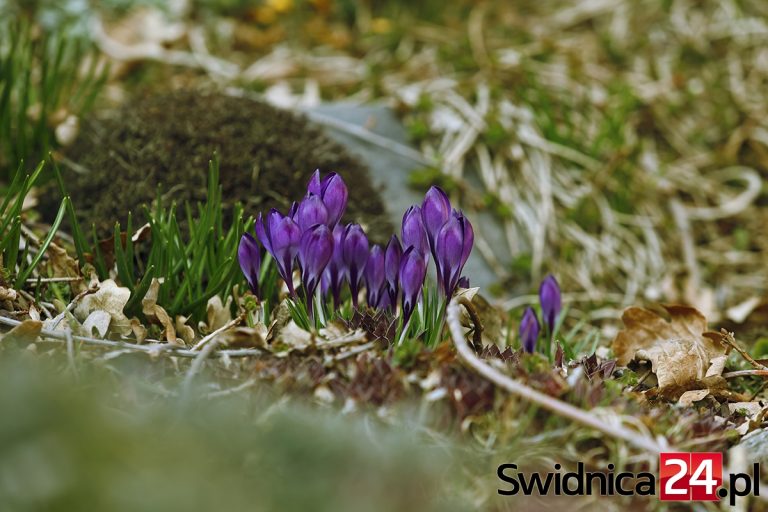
(551, 303)
(330, 255)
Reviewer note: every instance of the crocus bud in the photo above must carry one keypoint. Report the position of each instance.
(315, 252)
(463, 282)
(311, 211)
(336, 270)
(375, 279)
(529, 330)
(551, 301)
(249, 257)
(333, 192)
(392, 256)
(280, 236)
(452, 247)
(355, 255)
(413, 233)
(435, 212)
(413, 270)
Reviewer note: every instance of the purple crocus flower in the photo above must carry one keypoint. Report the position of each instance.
(529, 330)
(551, 302)
(336, 271)
(355, 255)
(413, 233)
(452, 247)
(463, 282)
(249, 257)
(280, 236)
(435, 212)
(311, 211)
(413, 270)
(376, 279)
(315, 252)
(392, 256)
(333, 192)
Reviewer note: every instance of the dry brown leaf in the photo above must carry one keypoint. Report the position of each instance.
(246, 337)
(156, 313)
(8, 294)
(186, 332)
(680, 350)
(25, 333)
(98, 320)
(110, 298)
(217, 315)
(687, 398)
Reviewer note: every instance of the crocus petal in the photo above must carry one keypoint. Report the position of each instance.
(550, 299)
(314, 186)
(375, 278)
(413, 233)
(334, 195)
(249, 257)
(529, 330)
(392, 256)
(315, 251)
(337, 270)
(311, 211)
(262, 235)
(435, 211)
(355, 255)
(280, 236)
(413, 270)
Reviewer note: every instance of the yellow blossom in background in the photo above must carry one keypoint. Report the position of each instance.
(280, 6)
(381, 25)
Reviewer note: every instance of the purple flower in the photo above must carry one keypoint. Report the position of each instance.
(333, 192)
(435, 212)
(336, 271)
(375, 279)
(280, 236)
(249, 257)
(315, 252)
(529, 330)
(413, 270)
(311, 211)
(355, 254)
(464, 282)
(551, 302)
(413, 233)
(392, 256)
(452, 247)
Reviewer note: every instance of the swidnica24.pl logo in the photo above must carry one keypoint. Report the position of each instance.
(683, 476)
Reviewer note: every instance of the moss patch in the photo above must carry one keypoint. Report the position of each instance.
(266, 156)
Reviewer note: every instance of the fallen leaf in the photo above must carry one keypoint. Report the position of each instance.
(156, 313)
(8, 294)
(295, 337)
(25, 333)
(186, 332)
(680, 351)
(98, 320)
(217, 315)
(110, 298)
(687, 398)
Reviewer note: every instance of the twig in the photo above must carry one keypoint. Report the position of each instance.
(746, 373)
(477, 335)
(161, 349)
(218, 331)
(731, 342)
(527, 393)
(225, 392)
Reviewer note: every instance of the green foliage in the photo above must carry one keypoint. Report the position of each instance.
(41, 79)
(16, 264)
(193, 264)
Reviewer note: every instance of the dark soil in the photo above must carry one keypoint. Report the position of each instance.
(266, 158)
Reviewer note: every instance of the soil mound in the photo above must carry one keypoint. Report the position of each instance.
(266, 158)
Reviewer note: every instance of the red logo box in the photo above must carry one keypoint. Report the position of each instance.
(688, 476)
